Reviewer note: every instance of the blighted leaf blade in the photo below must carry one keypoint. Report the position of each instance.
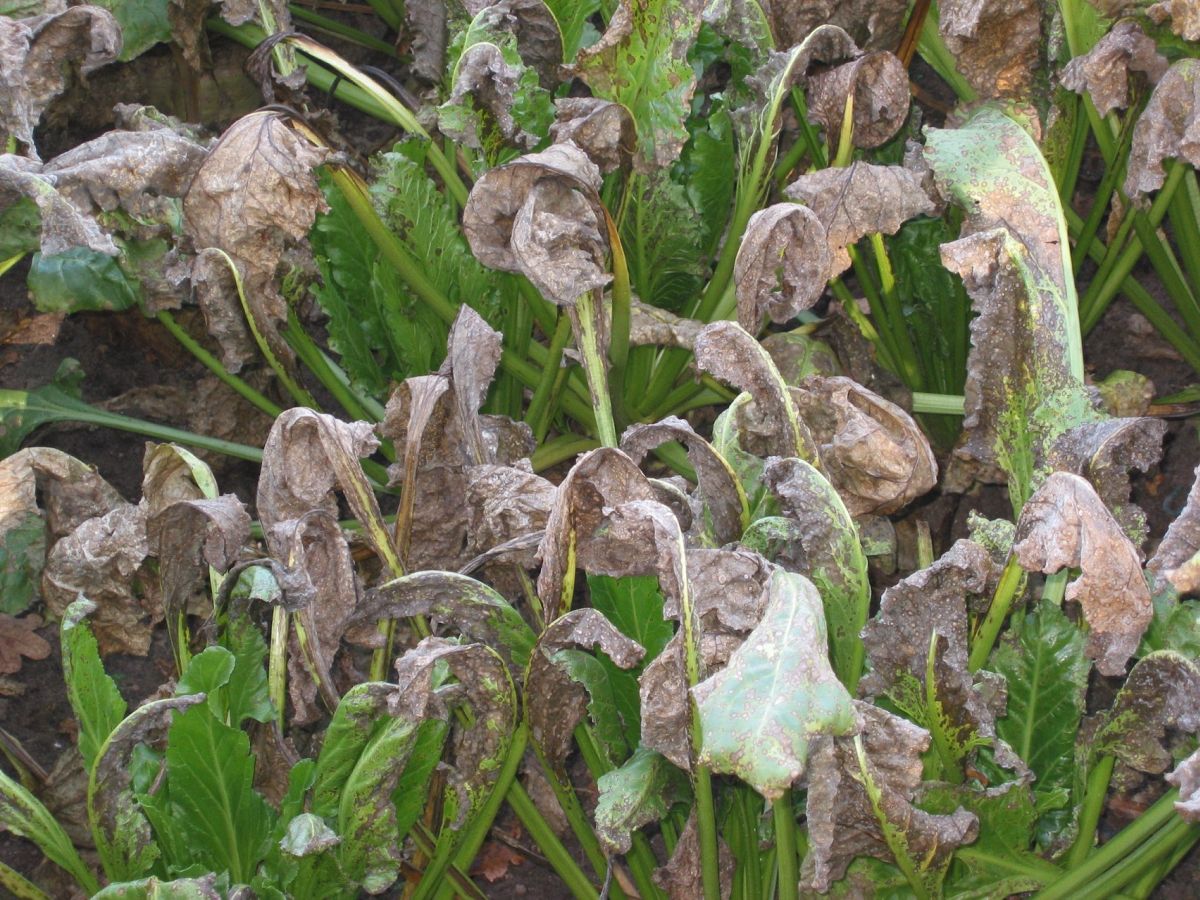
(1104, 71)
(782, 265)
(1165, 128)
(638, 793)
(1177, 559)
(996, 46)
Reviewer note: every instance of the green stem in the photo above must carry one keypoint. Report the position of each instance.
(989, 629)
(785, 846)
(20, 886)
(564, 793)
(310, 354)
(340, 29)
(277, 664)
(1094, 794)
(588, 341)
(564, 447)
(537, 415)
(1149, 881)
(547, 841)
(215, 366)
(706, 826)
(937, 404)
(1144, 859)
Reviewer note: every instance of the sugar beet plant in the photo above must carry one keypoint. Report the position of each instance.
(704, 645)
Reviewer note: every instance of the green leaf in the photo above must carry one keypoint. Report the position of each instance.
(208, 673)
(154, 889)
(22, 556)
(1175, 626)
(80, 280)
(412, 789)
(144, 23)
(641, 62)
(664, 240)
(758, 714)
(640, 792)
(748, 467)
(20, 225)
(210, 778)
(24, 815)
(572, 17)
(98, 705)
(595, 674)
(1047, 672)
(709, 161)
(23, 411)
(247, 695)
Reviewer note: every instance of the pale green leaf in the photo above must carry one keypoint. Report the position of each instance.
(98, 705)
(640, 792)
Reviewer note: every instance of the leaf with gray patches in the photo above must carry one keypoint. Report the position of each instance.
(782, 265)
(878, 84)
(1103, 72)
(1186, 777)
(602, 129)
(639, 792)
(759, 713)
(1177, 558)
(996, 45)
(1165, 129)
(1066, 525)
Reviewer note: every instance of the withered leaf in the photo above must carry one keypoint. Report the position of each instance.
(1103, 72)
(1186, 777)
(541, 215)
(1167, 129)
(554, 701)
(483, 75)
(1066, 525)
(1184, 16)
(40, 56)
(602, 129)
(874, 24)
(473, 352)
(858, 200)
(254, 197)
(426, 20)
(18, 639)
(996, 45)
(651, 325)
(1160, 696)
(782, 265)
(171, 473)
(879, 85)
(103, 560)
(1177, 558)
(729, 590)
(719, 490)
(844, 820)
(666, 725)
(777, 692)
(874, 453)
(681, 877)
(505, 503)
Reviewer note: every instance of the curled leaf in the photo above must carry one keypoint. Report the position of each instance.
(996, 45)
(40, 56)
(602, 129)
(1184, 17)
(876, 455)
(651, 325)
(637, 793)
(782, 265)
(541, 215)
(1166, 129)
(1160, 696)
(1103, 72)
(1066, 525)
(1177, 558)
(877, 85)
(777, 692)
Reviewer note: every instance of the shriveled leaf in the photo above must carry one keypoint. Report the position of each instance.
(1047, 672)
(727, 352)
(254, 197)
(95, 700)
(1161, 696)
(1186, 777)
(859, 200)
(638, 793)
(473, 354)
(102, 559)
(874, 453)
(1184, 17)
(996, 45)
(602, 129)
(42, 55)
(505, 503)
(719, 490)
(1166, 129)
(873, 25)
(541, 215)
(18, 640)
(681, 876)
(825, 549)
(122, 832)
(557, 684)
(1177, 558)
(1104, 71)
(651, 325)
(860, 802)
(641, 62)
(758, 715)
(782, 265)
(1066, 525)
(877, 85)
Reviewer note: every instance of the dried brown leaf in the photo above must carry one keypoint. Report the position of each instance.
(18, 639)
(858, 200)
(873, 24)
(841, 822)
(651, 325)
(1103, 72)
(997, 45)
(505, 503)
(483, 74)
(1066, 525)
(872, 451)
(681, 876)
(602, 129)
(782, 265)
(41, 56)
(1184, 16)
(1177, 558)
(1159, 703)
(729, 590)
(541, 215)
(879, 84)
(473, 353)
(254, 197)
(494, 860)
(1168, 128)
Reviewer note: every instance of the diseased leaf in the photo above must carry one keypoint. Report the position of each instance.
(42, 55)
(1065, 525)
(860, 801)
(1160, 696)
(638, 793)
(874, 25)
(1177, 559)
(758, 714)
(203, 888)
(782, 265)
(1046, 671)
(1186, 777)
(876, 84)
(861, 199)
(18, 639)
(1165, 129)
(681, 876)
(825, 548)
(95, 700)
(604, 130)
(641, 62)
(1185, 18)
(996, 45)
(504, 504)
(1104, 71)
